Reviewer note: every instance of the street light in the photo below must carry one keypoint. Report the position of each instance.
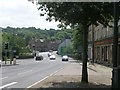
(116, 69)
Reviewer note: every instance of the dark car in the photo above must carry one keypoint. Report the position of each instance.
(57, 53)
(40, 57)
(49, 54)
(65, 58)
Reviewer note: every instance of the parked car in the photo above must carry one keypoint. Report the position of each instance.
(65, 58)
(52, 57)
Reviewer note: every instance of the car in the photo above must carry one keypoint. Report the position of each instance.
(65, 58)
(57, 52)
(38, 57)
(49, 54)
(52, 57)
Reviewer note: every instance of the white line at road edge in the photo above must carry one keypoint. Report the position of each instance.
(44, 78)
(7, 85)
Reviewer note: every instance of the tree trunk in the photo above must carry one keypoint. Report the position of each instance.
(85, 56)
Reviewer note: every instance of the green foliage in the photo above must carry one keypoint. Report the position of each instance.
(61, 35)
(69, 49)
(77, 37)
(77, 41)
(66, 33)
(72, 13)
(18, 38)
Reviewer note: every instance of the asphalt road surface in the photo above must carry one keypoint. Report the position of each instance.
(29, 71)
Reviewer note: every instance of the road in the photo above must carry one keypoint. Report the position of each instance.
(28, 71)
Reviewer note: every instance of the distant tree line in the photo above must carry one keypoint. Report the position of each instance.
(18, 38)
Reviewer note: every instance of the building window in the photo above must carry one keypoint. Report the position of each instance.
(108, 31)
(103, 33)
(95, 35)
(98, 34)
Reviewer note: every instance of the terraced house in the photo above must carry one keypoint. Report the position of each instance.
(102, 38)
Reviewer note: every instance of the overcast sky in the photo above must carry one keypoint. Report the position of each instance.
(21, 13)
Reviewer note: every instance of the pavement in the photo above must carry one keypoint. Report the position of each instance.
(70, 76)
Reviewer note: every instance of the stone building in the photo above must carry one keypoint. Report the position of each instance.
(103, 43)
(43, 45)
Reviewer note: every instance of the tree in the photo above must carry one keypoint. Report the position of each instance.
(77, 41)
(68, 49)
(79, 13)
(61, 35)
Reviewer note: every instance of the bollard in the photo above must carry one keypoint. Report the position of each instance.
(14, 61)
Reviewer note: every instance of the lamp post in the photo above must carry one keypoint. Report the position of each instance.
(92, 44)
(116, 69)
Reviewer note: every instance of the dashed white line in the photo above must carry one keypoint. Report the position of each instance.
(25, 72)
(12, 83)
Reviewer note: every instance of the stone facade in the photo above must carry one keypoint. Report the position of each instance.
(103, 44)
(43, 45)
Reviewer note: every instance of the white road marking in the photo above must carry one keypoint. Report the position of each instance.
(24, 72)
(12, 83)
(44, 78)
(3, 78)
(56, 72)
(38, 82)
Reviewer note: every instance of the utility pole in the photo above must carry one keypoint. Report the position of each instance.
(116, 69)
(93, 44)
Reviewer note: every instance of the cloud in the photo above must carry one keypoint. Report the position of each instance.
(21, 13)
